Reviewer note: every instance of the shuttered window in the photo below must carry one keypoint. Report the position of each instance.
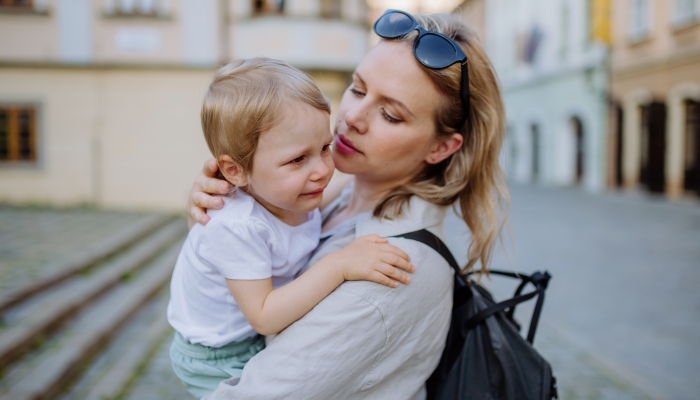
(16, 4)
(17, 134)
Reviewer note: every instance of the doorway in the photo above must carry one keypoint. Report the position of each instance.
(577, 130)
(653, 146)
(692, 146)
(535, 161)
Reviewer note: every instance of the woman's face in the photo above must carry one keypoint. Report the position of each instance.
(385, 128)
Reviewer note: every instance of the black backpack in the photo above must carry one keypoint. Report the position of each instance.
(485, 357)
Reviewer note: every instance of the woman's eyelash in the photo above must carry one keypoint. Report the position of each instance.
(389, 118)
(357, 92)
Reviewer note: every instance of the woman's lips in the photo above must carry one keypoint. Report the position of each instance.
(345, 146)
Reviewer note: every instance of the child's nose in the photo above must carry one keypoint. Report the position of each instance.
(321, 170)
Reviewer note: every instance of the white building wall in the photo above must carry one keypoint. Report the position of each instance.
(565, 78)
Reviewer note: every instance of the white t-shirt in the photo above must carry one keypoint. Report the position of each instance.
(242, 241)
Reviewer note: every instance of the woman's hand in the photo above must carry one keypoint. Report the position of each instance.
(372, 258)
(201, 198)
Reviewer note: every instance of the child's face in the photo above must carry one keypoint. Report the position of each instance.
(292, 164)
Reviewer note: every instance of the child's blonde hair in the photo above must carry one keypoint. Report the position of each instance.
(244, 99)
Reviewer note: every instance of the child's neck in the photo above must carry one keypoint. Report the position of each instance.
(289, 217)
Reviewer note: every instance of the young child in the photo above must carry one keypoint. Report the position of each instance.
(268, 125)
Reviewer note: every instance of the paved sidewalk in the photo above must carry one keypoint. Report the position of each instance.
(624, 290)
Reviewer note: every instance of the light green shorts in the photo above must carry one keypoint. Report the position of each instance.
(201, 368)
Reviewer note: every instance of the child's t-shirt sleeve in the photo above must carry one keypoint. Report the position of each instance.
(237, 250)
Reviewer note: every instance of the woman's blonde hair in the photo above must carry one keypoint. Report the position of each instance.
(245, 99)
(472, 177)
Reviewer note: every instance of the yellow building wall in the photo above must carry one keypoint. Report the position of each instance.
(115, 137)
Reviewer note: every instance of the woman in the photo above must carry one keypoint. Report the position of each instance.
(415, 143)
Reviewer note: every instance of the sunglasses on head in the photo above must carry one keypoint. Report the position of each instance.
(432, 49)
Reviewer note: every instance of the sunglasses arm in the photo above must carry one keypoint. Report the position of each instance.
(464, 89)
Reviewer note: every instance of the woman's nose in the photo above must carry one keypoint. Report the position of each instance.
(356, 117)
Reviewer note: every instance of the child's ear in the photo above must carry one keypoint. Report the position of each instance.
(232, 171)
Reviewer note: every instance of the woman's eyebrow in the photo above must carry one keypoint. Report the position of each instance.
(386, 98)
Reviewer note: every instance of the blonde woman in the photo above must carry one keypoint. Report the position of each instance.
(417, 137)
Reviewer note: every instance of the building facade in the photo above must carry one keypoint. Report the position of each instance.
(551, 58)
(654, 137)
(100, 100)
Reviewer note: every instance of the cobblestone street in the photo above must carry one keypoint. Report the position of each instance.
(621, 315)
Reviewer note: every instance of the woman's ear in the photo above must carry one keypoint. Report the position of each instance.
(232, 171)
(445, 148)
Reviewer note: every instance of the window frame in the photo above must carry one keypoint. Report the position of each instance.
(13, 111)
(331, 9)
(681, 20)
(639, 33)
(264, 11)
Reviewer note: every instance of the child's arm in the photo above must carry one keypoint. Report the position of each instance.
(335, 187)
(270, 310)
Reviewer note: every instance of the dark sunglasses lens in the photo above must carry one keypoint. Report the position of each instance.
(393, 25)
(434, 51)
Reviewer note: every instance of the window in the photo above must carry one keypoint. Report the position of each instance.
(564, 28)
(268, 6)
(17, 133)
(16, 5)
(331, 8)
(639, 19)
(686, 12)
(137, 7)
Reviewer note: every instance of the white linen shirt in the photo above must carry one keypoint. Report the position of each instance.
(242, 241)
(365, 340)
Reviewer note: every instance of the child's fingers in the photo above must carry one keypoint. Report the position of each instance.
(376, 276)
(394, 273)
(395, 250)
(398, 262)
(376, 238)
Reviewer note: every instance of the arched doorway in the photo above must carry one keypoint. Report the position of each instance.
(692, 146)
(535, 160)
(577, 131)
(653, 146)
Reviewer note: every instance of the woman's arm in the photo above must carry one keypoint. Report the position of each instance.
(270, 310)
(201, 198)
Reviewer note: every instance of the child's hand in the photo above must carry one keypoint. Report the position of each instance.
(372, 258)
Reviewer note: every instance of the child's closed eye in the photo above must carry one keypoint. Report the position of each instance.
(297, 160)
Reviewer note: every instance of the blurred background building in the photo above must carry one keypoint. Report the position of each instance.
(655, 88)
(100, 100)
(551, 57)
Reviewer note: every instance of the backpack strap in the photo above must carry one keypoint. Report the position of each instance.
(538, 279)
(429, 239)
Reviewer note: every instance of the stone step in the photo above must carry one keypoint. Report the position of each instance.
(116, 368)
(94, 253)
(89, 333)
(46, 314)
(117, 379)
